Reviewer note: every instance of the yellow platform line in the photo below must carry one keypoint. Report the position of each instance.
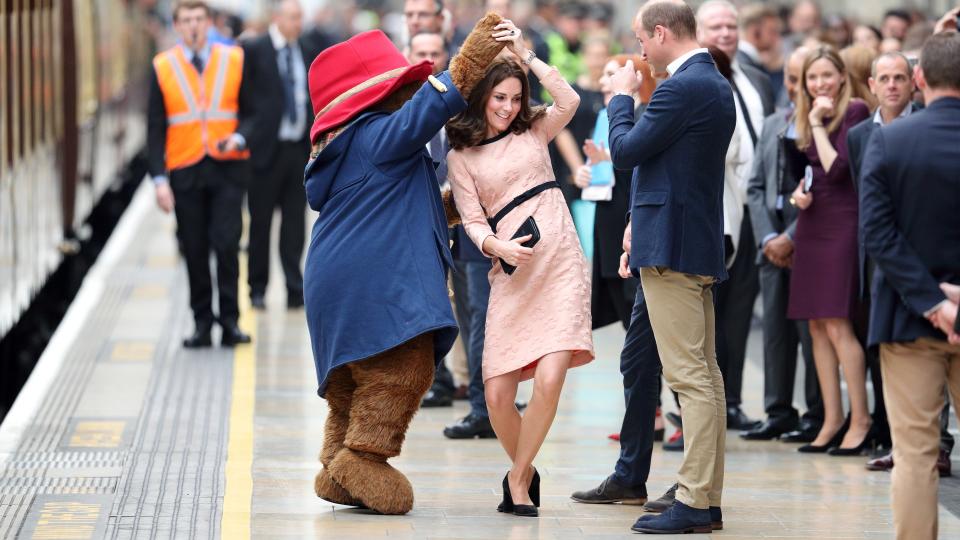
(238, 493)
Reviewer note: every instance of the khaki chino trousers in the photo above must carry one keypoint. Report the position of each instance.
(914, 375)
(682, 316)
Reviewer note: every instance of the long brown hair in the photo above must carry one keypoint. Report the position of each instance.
(469, 128)
(859, 62)
(805, 100)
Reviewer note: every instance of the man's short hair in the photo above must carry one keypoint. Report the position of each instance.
(679, 18)
(443, 39)
(437, 6)
(891, 54)
(898, 13)
(190, 4)
(940, 61)
(754, 14)
(713, 3)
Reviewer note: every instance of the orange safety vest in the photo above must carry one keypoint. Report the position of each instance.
(201, 107)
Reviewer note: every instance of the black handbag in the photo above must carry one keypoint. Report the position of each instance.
(529, 226)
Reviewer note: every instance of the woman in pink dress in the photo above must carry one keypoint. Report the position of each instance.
(538, 319)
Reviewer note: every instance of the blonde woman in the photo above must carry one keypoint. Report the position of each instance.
(824, 281)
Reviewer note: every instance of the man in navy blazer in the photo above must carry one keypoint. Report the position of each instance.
(910, 193)
(678, 148)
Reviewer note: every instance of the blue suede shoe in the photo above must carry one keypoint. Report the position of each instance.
(678, 519)
(716, 518)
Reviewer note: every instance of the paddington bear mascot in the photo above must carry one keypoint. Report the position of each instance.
(375, 282)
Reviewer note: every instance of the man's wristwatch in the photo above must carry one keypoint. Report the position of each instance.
(530, 56)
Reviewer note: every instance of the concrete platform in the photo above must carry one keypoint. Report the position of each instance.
(121, 433)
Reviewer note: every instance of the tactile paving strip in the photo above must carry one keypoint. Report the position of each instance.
(164, 481)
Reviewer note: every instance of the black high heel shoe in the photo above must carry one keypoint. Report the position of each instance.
(534, 490)
(833, 442)
(869, 440)
(507, 506)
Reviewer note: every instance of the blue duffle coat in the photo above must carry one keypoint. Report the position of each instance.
(375, 274)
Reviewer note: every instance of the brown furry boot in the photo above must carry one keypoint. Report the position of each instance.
(478, 50)
(339, 395)
(389, 388)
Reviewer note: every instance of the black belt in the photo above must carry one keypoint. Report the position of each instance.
(520, 199)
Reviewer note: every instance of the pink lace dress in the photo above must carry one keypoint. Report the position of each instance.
(544, 306)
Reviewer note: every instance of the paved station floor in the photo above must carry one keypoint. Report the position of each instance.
(121, 433)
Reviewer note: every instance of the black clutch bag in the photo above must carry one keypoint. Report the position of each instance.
(529, 226)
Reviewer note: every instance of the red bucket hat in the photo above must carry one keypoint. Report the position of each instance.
(349, 77)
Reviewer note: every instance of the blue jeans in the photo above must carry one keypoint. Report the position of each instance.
(471, 289)
(641, 368)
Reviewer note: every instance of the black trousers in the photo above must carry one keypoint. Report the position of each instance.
(281, 185)
(641, 368)
(781, 336)
(208, 200)
(734, 311)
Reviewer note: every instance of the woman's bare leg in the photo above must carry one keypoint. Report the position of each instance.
(537, 419)
(828, 376)
(853, 364)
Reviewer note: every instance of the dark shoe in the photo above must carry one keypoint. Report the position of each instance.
(675, 419)
(199, 338)
(678, 519)
(664, 502)
(470, 426)
(800, 435)
(716, 518)
(534, 491)
(232, 335)
(610, 492)
(883, 463)
(767, 431)
(437, 398)
(943, 463)
(738, 420)
(658, 435)
(295, 300)
(506, 505)
(675, 444)
(869, 440)
(257, 302)
(525, 510)
(833, 442)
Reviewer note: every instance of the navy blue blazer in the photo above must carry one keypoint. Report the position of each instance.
(678, 149)
(375, 275)
(910, 216)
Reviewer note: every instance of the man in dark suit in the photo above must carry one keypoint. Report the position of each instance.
(718, 27)
(891, 81)
(908, 212)
(777, 167)
(197, 157)
(679, 146)
(277, 64)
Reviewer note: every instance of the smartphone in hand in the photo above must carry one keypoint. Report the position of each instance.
(807, 179)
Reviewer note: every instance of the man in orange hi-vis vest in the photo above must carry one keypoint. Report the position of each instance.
(198, 121)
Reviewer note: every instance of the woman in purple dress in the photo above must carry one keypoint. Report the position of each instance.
(824, 281)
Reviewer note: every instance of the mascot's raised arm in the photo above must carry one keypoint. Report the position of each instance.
(375, 278)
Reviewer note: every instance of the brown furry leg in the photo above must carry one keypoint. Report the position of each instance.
(339, 395)
(389, 389)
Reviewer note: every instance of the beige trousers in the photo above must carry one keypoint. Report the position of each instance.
(682, 317)
(914, 375)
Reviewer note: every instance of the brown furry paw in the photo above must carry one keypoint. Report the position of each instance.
(479, 49)
(327, 489)
(450, 209)
(377, 484)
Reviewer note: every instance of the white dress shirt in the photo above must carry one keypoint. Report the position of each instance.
(672, 67)
(292, 131)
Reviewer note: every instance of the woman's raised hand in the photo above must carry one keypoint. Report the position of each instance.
(595, 153)
(509, 33)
